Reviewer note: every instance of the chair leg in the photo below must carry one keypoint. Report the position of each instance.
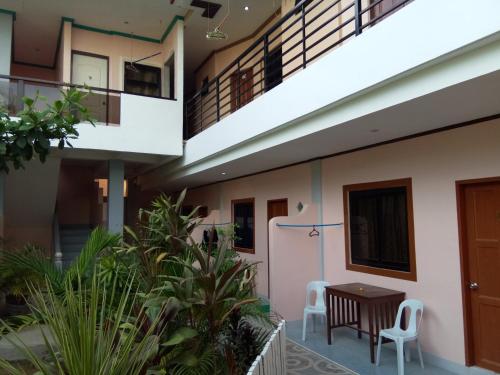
(420, 354)
(401, 360)
(407, 352)
(304, 324)
(379, 347)
(314, 322)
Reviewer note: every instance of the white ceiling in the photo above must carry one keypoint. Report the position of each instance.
(37, 23)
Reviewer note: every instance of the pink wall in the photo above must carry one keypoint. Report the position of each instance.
(292, 183)
(434, 163)
(121, 49)
(294, 260)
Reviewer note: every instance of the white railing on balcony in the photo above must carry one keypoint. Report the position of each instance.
(272, 359)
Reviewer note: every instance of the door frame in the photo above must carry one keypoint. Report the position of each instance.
(267, 221)
(83, 53)
(464, 271)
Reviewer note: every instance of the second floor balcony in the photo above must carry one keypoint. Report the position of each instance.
(123, 122)
(302, 35)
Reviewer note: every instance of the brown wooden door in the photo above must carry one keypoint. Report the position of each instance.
(241, 89)
(275, 207)
(482, 272)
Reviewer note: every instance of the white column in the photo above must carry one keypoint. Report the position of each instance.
(115, 196)
(317, 199)
(2, 204)
(6, 20)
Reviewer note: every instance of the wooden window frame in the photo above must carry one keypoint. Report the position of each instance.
(244, 200)
(404, 182)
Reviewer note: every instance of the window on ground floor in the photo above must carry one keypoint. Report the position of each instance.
(379, 228)
(243, 212)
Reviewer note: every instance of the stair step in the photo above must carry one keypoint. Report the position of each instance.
(73, 240)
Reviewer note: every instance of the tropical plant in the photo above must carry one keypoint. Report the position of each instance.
(33, 265)
(163, 231)
(92, 330)
(243, 342)
(30, 134)
(215, 284)
(216, 326)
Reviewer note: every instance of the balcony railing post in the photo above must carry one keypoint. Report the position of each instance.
(20, 95)
(201, 113)
(238, 85)
(358, 22)
(304, 52)
(217, 99)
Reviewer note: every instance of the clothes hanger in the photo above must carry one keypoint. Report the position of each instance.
(314, 232)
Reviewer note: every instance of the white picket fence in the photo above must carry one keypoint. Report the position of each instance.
(272, 359)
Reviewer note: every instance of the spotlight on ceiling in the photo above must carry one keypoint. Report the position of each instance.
(246, 8)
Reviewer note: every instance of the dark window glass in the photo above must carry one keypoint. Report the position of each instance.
(142, 79)
(243, 218)
(204, 86)
(378, 223)
(274, 69)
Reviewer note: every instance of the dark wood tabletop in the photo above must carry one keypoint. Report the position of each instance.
(343, 309)
(364, 291)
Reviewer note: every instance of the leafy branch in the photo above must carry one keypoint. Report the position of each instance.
(31, 132)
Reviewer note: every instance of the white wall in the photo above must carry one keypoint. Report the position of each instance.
(147, 125)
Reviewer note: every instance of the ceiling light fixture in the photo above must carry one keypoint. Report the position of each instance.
(223, 173)
(217, 33)
(246, 8)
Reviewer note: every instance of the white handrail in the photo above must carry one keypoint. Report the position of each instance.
(272, 359)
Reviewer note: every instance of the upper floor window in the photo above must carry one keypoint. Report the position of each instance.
(379, 228)
(243, 212)
(142, 79)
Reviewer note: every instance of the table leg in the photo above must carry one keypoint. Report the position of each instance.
(370, 332)
(329, 308)
(358, 318)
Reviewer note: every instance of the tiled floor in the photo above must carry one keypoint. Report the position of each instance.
(354, 354)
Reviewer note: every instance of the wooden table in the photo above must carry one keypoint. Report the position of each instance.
(343, 309)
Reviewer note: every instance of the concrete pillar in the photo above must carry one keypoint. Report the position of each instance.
(6, 19)
(317, 199)
(115, 196)
(2, 205)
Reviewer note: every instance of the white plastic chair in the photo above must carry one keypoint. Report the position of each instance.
(401, 336)
(319, 307)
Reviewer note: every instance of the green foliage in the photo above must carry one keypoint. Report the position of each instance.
(31, 263)
(162, 232)
(196, 302)
(29, 136)
(94, 330)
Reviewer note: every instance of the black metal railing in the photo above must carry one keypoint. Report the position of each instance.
(103, 104)
(305, 33)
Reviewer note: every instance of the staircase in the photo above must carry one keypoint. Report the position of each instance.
(72, 239)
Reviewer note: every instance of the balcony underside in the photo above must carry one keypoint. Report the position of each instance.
(473, 99)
